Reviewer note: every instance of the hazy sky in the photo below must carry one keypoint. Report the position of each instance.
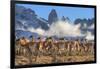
(71, 12)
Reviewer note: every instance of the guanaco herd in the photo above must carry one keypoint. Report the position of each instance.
(50, 46)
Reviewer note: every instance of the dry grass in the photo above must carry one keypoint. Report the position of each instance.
(21, 60)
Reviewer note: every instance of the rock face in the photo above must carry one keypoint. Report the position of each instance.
(27, 34)
(52, 16)
(66, 19)
(26, 18)
(86, 21)
(85, 24)
(63, 18)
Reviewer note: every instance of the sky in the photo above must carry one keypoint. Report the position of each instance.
(71, 12)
